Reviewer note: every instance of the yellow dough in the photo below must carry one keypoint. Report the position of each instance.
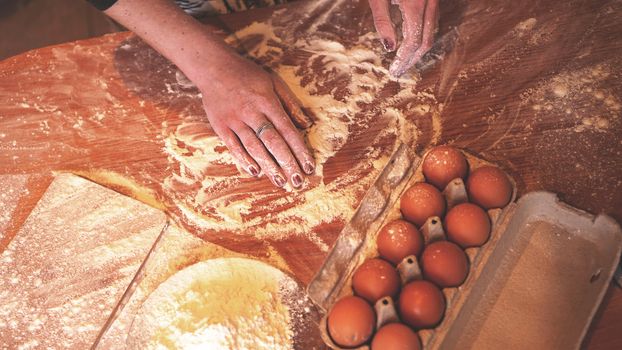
(228, 303)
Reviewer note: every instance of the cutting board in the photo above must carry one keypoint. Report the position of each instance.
(67, 267)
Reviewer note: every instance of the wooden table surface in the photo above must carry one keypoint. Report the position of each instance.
(533, 86)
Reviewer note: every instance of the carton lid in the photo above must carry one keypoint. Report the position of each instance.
(543, 282)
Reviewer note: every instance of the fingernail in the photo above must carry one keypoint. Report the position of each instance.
(296, 180)
(308, 168)
(253, 171)
(279, 180)
(389, 45)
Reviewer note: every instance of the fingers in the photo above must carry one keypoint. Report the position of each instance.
(412, 29)
(430, 23)
(257, 150)
(383, 23)
(291, 103)
(291, 136)
(235, 147)
(275, 145)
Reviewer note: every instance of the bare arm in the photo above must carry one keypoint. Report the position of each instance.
(238, 96)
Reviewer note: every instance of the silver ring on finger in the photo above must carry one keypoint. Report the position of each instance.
(262, 128)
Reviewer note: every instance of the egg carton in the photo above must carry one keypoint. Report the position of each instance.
(507, 298)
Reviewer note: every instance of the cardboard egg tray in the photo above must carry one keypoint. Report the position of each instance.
(536, 283)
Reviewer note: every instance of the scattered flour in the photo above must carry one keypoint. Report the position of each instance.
(339, 86)
(580, 93)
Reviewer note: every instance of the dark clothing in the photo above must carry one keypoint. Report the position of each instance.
(199, 8)
(102, 5)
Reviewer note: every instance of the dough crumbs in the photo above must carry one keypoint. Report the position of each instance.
(560, 90)
(526, 25)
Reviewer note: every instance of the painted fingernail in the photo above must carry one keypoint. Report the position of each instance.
(389, 45)
(253, 170)
(308, 168)
(279, 180)
(296, 180)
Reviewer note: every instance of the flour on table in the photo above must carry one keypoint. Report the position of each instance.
(599, 109)
(340, 87)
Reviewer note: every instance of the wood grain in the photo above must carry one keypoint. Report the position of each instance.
(533, 86)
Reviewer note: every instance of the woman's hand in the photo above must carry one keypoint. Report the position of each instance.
(420, 20)
(244, 104)
(245, 107)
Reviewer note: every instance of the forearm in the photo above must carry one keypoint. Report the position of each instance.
(186, 42)
(240, 98)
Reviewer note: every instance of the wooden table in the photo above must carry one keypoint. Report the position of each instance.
(532, 86)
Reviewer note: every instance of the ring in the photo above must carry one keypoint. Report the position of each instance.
(265, 126)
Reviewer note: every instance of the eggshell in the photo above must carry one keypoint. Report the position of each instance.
(489, 187)
(399, 239)
(421, 201)
(445, 264)
(421, 304)
(351, 322)
(395, 336)
(443, 164)
(467, 225)
(374, 279)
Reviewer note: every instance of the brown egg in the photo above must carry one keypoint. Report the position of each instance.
(420, 202)
(443, 164)
(399, 239)
(445, 264)
(395, 336)
(351, 321)
(489, 187)
(467, 225)
(374, 279)
(421, 304)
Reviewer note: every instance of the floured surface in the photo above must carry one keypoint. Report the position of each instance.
(342, 89)
(111, 109)
(153, 143)
(14, 189)
(227, 303)
(69, 264)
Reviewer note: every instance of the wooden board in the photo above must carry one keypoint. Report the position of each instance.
(532, 86)
(67, 267)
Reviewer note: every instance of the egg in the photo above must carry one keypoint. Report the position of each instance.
(445, 264)
(421, 201)
(399, 239)
(395, 336)
(421, 304)
(351, 321)
(467, 225)
(489, 187)
(374, 279)
(443, 164)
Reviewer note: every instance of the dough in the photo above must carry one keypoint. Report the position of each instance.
(227, 303)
